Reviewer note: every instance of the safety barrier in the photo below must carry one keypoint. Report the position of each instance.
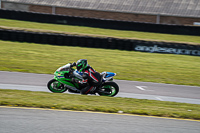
(100, 23)
(98, 42)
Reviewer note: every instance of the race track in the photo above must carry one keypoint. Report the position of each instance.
(131, 89)
(29, 120)
(20, 120)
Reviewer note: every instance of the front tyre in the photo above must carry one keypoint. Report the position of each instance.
(55, 86)
(109, 89)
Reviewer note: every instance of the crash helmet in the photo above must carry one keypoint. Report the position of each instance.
(81, 64)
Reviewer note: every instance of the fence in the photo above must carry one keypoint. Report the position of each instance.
(97, 42)
(110, 24)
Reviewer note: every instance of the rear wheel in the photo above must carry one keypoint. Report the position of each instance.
(55, 86)
(109, 89)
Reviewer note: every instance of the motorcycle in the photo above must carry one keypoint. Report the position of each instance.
(62, 82)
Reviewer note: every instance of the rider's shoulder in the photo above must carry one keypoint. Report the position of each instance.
(88, 67)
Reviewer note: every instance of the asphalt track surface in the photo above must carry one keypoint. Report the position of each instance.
(20, 120)
(130, 89)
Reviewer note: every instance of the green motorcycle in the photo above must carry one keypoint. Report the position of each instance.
(63, 81)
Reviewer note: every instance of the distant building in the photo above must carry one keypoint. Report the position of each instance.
(179, 12)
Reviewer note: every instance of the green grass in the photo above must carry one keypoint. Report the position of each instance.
(96, 103)
(33, 26)
(129, 65)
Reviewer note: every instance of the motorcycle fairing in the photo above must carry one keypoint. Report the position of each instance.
(110, 74)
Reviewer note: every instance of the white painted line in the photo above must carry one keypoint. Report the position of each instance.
(24, 87)
(141, 87)
(159, 98)
(120, 94)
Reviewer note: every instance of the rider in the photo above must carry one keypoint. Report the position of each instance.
(90, 76)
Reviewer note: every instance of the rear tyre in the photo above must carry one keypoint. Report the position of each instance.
(55, 86)
(109, 89)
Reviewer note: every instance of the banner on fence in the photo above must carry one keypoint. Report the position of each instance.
(157, 49)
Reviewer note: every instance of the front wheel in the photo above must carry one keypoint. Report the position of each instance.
(55, 86)
(109, 89)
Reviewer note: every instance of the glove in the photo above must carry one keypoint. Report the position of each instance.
(85, 76)
(73, 64)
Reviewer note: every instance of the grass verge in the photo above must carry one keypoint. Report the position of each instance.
(129, 65)
(80, 30)
(98, 103)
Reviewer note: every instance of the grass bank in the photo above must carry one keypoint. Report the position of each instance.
(98, 103)
(80, 30)
(129, 65)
